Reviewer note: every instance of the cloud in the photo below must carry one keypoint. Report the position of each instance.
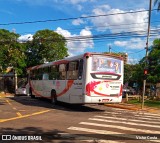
(78, 21)
(78, 1)
(133, 43)
(132, 60)
(136, 21)
(77, 43)
(25, 38)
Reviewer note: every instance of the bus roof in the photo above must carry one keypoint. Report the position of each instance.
(67, 59)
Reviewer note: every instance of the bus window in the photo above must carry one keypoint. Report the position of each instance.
(72, 72)
(80, 69)
(45, 76)
(62, 71)
(100, 63)
(53, 74)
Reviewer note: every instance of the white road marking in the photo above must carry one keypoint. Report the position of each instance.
(141, 115)
(153, 114)
(115, 134)
(128, 119)
(121, 127)
(127, 122)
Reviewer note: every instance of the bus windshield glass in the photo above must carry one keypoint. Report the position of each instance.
(106, 64)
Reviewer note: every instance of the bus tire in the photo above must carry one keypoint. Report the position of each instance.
(53, 97)
(30, 92)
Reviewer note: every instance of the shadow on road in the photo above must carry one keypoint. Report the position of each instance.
(41, 102)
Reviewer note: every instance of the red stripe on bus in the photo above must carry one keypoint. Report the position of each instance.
(60, 62)
(121, 90)
(69, 84)
(100, 93)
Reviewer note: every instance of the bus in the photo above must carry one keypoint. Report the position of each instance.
(82, 79)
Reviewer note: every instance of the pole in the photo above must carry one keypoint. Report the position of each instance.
(15, 81)
(109, 49)
(148, 33)
(144, 84)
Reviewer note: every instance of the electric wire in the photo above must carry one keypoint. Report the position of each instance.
(73, 18)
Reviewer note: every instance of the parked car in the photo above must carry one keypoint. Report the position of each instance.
(128, 91)
(22, 89)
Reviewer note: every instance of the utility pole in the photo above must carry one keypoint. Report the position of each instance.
(109, 48)
(147, 45)
(15, 81)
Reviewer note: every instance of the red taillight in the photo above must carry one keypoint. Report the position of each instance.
(121, 88)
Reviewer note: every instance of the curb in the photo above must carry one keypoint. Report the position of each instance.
(122, 107)
(128, 107)
(6, 95)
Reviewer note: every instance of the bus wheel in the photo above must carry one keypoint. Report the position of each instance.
(30, 92)
(53, 97)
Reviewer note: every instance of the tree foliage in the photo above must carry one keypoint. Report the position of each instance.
(154, 62)
(11, 52)
(46, 46)
(133, 74)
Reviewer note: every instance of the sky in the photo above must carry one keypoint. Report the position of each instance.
(89, 25)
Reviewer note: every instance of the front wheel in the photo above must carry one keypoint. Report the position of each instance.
(53, 97)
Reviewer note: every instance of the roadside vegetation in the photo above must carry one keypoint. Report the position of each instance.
(45, 46)
(147, 103)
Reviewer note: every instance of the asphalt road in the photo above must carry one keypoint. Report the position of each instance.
(23, 118)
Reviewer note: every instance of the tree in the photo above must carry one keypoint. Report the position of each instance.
(133, 74)
(154, 62)
(157, 2)
(11, 52)
(46, 46)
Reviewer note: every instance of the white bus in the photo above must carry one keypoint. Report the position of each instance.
(87, 78)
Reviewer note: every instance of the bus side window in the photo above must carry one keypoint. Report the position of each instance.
(72, 72)
(45, 76)
(62, 71)
(40, 73)
(80, 69)
(53, 74)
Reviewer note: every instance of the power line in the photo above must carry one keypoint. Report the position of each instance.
(113, 36)
(136, 52)
(89, 27)
(72, 18)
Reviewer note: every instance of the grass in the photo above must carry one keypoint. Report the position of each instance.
(148, 103)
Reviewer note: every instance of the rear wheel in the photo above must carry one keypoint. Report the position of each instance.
(53, 97)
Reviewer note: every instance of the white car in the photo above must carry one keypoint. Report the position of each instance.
(22, 90)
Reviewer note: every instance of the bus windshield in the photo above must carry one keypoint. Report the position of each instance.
(106, 64)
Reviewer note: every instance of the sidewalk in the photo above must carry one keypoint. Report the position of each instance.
(134, 107)
(2, 94)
